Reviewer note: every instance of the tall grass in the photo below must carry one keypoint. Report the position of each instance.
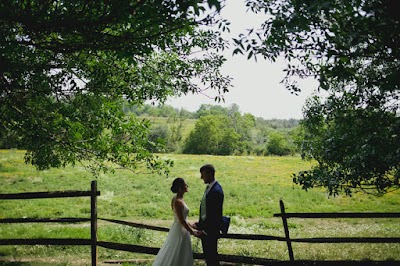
(252, 186)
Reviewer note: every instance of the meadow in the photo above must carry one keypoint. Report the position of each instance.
(253, 187)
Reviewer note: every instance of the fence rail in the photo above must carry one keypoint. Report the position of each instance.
(48, 195)
(289, 240)
(44, 220)
(223, 257)
(95, 243)
(47, 241)
(137, 225)
(93, 193)
(154, 251)
(340, 215)
(348, 240)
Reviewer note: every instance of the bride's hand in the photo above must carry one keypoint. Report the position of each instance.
(193, 225)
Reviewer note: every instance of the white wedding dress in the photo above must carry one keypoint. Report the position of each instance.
(177, 248)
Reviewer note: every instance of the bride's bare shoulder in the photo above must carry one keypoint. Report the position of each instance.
(177, 203)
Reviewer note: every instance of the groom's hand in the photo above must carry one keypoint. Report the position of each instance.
(202, 234)
(197, 233)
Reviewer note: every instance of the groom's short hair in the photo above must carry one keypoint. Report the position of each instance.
(208, 168)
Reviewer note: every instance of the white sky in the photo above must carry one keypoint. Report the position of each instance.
(256, 85)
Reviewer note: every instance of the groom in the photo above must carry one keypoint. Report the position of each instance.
(210, 219)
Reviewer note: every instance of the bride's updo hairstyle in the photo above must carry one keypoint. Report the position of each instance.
(177, 184)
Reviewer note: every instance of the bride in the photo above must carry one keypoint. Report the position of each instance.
(177, 248)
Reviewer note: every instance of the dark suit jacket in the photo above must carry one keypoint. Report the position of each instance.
(214, 201)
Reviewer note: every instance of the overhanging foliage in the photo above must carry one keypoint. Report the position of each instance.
(352, 49)
(67, 65)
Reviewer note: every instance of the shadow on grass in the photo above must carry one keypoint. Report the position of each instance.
(15, 263)
(334, 263)
(272, 263)
(22, 263)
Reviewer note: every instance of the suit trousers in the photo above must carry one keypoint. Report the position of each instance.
(210, 249)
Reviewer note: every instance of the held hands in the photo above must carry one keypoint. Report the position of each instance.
(193, 225)
(197, 233)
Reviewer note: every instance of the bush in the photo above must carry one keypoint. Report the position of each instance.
(279, 145)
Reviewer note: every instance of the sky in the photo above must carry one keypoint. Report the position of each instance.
(257, 87)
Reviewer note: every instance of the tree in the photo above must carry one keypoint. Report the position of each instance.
(175, 128)
(208, 109)
(354, 148)
(352, 49)
(68, 66)
(244, 126)
(212, 135)
(157, 138)
(278, 144)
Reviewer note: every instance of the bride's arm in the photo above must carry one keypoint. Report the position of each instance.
(178, 207)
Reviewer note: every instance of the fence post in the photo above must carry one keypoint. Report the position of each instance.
(285, 226)
(93, 222)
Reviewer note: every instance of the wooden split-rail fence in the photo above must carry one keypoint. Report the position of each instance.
(95, 243)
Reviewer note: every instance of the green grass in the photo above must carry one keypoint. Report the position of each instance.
(253, 187)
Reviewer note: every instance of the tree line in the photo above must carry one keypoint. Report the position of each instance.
(219, 131)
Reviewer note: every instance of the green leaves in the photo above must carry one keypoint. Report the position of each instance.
(212, 135)
(349, 47)
(356, 148)
(68, 66)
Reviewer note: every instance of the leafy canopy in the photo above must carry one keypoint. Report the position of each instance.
(352, 48)
(67, 66)
(213, 134)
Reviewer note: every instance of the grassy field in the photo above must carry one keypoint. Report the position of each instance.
(252, 186)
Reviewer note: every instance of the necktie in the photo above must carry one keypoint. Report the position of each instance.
(203, 210)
